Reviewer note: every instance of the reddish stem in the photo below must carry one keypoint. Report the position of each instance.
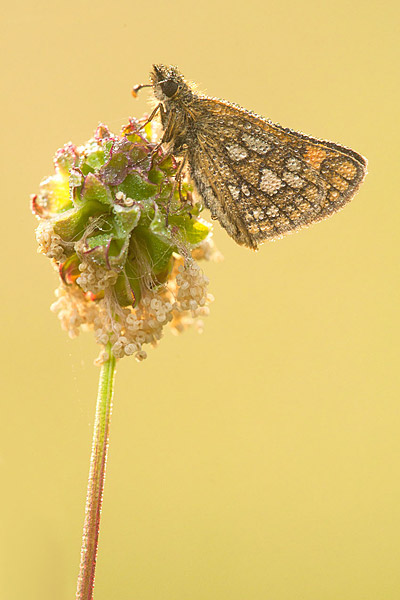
(97, 474)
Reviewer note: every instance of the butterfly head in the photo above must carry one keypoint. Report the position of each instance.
(168, 83)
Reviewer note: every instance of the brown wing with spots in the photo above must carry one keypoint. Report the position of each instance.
(217, 184)
(263, 181)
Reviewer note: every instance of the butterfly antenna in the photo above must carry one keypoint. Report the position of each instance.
(138, 87)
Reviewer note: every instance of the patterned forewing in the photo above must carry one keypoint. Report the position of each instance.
(263, 181)
(217, 184)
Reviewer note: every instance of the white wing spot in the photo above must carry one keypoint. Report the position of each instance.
(245, 190)
(255, 143)
(293, 164)
(235, 193)
(270, 182)
(293, 180)
(253, 228)
(258, 214)
(236, 152)
(272, 211)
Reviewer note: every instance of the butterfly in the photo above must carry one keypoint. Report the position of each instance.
(260, 180)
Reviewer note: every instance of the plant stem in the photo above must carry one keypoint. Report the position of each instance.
(97, 473)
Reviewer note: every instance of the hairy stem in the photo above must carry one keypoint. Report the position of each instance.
(97, 473)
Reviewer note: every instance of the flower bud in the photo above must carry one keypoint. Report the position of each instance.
(123, 234)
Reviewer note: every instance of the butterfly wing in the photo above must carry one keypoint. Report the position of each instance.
(262, 181)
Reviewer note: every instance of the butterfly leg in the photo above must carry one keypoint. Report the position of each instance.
(178, 177)
(158, 108)
(177, 182)
(167, 121)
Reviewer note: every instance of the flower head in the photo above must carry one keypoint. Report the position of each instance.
(124, 232)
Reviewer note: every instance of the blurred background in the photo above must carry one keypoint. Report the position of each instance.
(260, 459)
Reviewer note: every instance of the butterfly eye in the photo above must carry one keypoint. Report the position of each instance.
(169, 88)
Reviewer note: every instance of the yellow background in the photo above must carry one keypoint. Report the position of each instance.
(261, 459)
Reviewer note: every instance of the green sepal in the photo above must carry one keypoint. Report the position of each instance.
(95, 160)
(56, 192)
(123, 291)
(168, 165)
(193, 230)
(109, 246)
(94, 189)
(86, 169)
(115, 169)
(137, 188)
(195, 209)
(71, 226)
(126, 219)
(137, 153)
(107, 148)
(117, 253)
(134, 280)
(157, 247)
(127, 287)
(107, 251)
(162, 276)
(101, 239)
(65, 158)
(156, 175)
